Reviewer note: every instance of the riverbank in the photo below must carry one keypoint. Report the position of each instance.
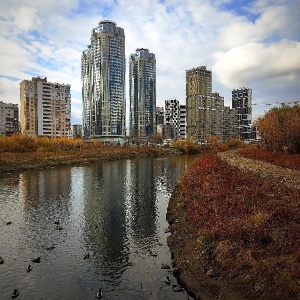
(235, 229)
(16, 162)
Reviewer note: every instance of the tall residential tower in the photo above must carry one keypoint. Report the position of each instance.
(198, 103)
(242, 102)
(45, 108)
(142, 91)
(103, 83)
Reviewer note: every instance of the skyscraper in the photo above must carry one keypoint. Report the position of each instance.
(242, 102)
(142, 91)
(198, 103)
(45, 108)
(103, 66)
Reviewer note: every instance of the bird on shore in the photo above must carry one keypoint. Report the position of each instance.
(29, 268)
(167, 280)
(37, 260)
(1, 261)
(15, 294)
(99, 294)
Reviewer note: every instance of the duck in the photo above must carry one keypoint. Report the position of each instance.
(9, 223)
(37, 260)
(167, 280)
(87, 256)
(29, 268)
(1, 261)
(15, 294)
(99, 294)
(56, 222)
(50, 248)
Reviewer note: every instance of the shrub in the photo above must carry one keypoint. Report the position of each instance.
(280, 129)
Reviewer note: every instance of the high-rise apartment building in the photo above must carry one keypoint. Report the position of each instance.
(229, 129)
(198, 103)
(103, 66)
(242, 102)
(171, 128)
(182, 121)
(142, 93)
(217, 111)
(9, 119)
(45, 108)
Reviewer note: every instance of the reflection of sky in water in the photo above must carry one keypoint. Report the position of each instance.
(114, 210)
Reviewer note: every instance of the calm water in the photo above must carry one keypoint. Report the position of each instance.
(114, 211)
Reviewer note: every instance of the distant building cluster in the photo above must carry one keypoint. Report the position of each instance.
(45, 107)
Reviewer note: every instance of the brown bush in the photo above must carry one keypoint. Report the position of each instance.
(280, 129)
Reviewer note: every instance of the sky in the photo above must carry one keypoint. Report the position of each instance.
(245, 43)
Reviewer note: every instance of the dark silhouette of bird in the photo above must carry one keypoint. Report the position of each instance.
(99, 294)
(37, 260)
(167, 280)
(56, 222)
(87, 256)
(29, 268)
(1, 261)
(50, 248)
(15, 294)
(9, 223)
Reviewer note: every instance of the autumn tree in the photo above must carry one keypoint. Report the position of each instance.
(280, 129)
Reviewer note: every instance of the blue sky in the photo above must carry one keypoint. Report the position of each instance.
(253, 44)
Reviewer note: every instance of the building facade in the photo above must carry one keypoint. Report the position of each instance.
(229, 129)
(45, 108)
(217, 111)
(242, 102)
(182, 121)
(9, 119)
(103, 66)
(142, 93)
(171, 128)
(198, 103)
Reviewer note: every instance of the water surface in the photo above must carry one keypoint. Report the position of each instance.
(112, 211)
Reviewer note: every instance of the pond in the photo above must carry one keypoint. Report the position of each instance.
(100, 225)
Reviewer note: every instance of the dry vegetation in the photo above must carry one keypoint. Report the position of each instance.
(20, 152)
(248, 227)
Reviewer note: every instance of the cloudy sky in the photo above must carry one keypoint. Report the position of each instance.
(244, 43)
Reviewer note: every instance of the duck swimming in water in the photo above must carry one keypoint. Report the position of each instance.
(1, 261)
(29, 268)
(167, 280)
(15, 294)
(56, 222)
(99, 294)
(37, 260)
(87, 256)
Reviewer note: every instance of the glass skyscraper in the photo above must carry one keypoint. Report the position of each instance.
(103, 66)
(142, 91)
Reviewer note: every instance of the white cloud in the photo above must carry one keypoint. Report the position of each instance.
(255, 62)
(46, 38)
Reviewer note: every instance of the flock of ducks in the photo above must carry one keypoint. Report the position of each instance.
(99, 295)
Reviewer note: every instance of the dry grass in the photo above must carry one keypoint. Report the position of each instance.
(249, 226)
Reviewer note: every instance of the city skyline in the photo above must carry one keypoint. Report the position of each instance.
(254, 45)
